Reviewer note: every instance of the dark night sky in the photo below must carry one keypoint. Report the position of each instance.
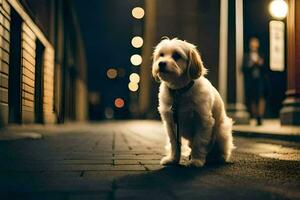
(107, 30)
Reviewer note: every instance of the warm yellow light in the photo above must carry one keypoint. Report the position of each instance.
(138, 12)
(137, 42)
(119, 103)
(133, 86)
(278, 9)
(134, 77)
(136, 59)
(111, 73)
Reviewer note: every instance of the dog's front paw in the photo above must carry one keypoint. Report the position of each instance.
(195, 163)
(168, 160)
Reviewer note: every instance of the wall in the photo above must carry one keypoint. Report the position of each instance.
(4, 59)
(43, 68)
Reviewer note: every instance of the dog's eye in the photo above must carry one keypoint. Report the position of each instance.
(176, 56)
(161, 54)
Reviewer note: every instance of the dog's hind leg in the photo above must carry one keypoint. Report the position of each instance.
(224, 140)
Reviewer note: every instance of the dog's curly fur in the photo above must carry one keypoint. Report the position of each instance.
(202, 117)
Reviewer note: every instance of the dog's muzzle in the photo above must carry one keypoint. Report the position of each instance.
(162, 66)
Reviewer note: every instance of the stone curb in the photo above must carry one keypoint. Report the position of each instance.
(278, 136)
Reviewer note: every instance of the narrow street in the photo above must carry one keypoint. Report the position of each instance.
(120, 160)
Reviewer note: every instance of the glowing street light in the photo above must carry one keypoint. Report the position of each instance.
(138, 12)
(119, 103)
(137, 42)
(111, 73)
(133, 87)
(278, 9)
(136, 59)
(134, 77)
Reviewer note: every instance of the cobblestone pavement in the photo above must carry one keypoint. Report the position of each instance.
(120, 160)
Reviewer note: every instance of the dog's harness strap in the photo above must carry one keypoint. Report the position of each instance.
(175, 107)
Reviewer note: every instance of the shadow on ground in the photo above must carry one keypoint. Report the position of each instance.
(172, 182)
(210, 182)
(169, 176)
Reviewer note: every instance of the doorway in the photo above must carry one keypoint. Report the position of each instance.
(256, 23)
(15, 75)
(39, 82)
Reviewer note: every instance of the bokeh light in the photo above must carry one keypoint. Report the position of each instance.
(137, 42)
(134, 77)
(109, 113)
(111, 73)
(278, 9)
(138, 12)
(133, 86)
(119, 103)
(136, 59)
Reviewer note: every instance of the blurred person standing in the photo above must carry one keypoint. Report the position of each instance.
(255, 80)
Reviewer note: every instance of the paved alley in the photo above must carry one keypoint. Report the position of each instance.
(120, 160)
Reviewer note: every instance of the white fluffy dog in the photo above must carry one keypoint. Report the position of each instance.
(190, 104)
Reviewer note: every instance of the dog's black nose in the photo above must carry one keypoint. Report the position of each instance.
(162, 66)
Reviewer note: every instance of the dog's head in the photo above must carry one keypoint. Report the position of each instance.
(176, 62)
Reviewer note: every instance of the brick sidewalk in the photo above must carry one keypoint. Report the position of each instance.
(85, 158)
(120, 160)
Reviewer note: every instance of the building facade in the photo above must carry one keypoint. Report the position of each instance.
(221, 30)
(42, 62)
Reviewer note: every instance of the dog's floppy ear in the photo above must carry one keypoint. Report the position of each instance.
(156, 78)
(154, 74)
(196, 68)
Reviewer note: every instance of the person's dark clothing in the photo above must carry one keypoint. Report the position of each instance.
(255, 79)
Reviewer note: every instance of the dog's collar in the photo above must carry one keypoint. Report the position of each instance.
(183, 89)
